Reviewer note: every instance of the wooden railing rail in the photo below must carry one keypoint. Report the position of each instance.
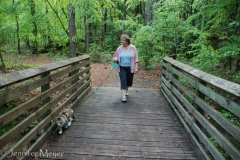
(52, 87)
(197, 99)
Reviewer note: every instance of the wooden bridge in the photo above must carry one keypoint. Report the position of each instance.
(179, 121)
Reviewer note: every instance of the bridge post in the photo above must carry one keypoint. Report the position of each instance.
(75, 80)
(45, 101)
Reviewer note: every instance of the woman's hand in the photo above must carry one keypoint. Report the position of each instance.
(136, 67)
(136, 70)
(114, 59)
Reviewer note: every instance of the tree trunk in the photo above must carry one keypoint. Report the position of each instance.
(27, 43)
(35, 31)
(238, 64)
(17, 31)
(148, 22)
(238, 33)
(230, 63)
(153, 16)
(112, 31)
(202, 23)
(124, 16)
(86, 34)
(143, 11)
(149, 12)
(48, 37)
(104, 29)
(3, 64)
(72, 30)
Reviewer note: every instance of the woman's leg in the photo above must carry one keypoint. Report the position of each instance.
(123, 79)
(127, 91)
(129, 80)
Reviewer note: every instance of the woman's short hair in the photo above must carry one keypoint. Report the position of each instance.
(126, 38)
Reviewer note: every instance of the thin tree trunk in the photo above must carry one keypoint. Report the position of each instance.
(58, 17)
(202, 24)
(35, 31)
(72, 30)
(49, 40)
(192, 12)
(230, 63)
(17, 31)
(112, 31)
(3, 64)
(18, 36)
(149, 12)
(64, 13)
(143, 10)
(86, 34)
(155, 1)
(238, 33)
(124, 16)
(104, 29)
(148, 21)
(86, 28)
(238, 64)
(27, 43)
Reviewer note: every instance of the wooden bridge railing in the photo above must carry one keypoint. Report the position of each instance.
(196, 97)
(55, 86)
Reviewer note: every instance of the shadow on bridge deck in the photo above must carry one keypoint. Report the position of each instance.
(105, 128)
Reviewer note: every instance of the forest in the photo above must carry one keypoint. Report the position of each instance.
(204, 34)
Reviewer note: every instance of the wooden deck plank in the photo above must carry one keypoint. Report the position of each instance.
(105, 128)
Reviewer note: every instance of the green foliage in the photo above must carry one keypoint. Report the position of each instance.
(183, 81)
(8, 127)
(208, 100)
(144, 41)
(98, 56)
(26, 130)
(230, 117)
(219, 147)
(12, 63)
(95, 52)
(188, 99)
(10, 105)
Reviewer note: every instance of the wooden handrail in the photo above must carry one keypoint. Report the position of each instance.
(67, 92)
(187, 89)
(223, 84)
(18, 76)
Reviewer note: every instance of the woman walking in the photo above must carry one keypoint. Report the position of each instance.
(127, 57)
